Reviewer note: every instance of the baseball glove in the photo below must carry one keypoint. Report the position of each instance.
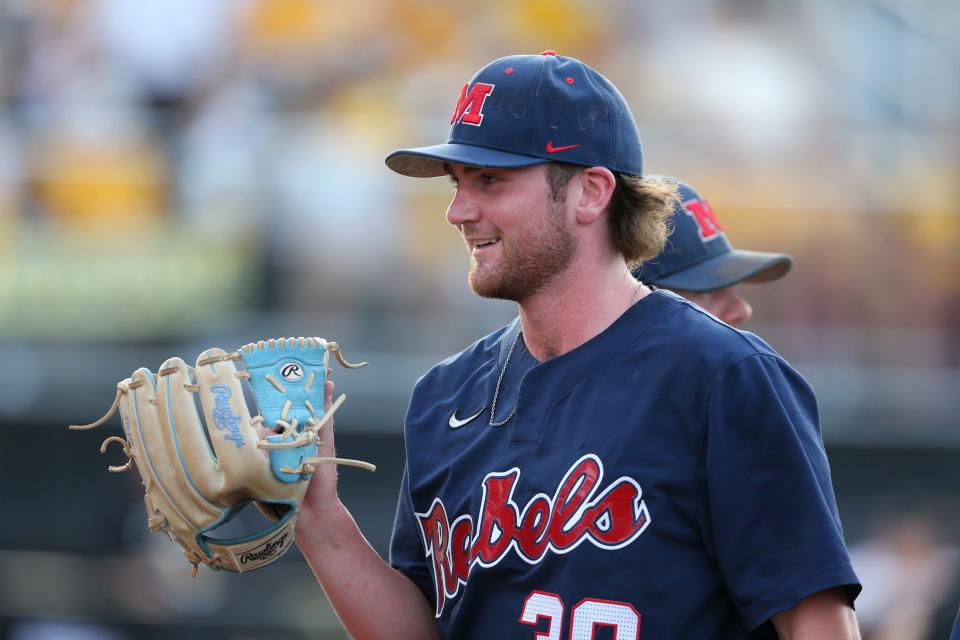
(200, 468)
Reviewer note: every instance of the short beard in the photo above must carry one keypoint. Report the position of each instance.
(526, 269)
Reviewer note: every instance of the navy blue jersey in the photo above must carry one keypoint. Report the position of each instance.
(666, 479)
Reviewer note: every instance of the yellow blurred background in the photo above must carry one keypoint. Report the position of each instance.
(181, 174)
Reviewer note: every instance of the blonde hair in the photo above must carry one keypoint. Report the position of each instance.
(638, 214)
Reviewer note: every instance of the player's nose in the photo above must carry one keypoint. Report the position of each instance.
(736, 309)
(462, 209)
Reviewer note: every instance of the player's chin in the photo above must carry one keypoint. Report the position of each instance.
(483, 283)
(496, 288)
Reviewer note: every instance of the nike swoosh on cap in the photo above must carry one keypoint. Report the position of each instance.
(553, 149)
(456, 423)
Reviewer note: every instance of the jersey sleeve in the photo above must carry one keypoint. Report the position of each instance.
(406, 546)
(772, 521)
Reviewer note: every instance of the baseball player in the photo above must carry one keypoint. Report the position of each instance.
(699, 263)
(613, 463)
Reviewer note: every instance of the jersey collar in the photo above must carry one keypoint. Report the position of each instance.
(573, 366)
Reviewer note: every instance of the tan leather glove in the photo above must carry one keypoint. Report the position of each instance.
(199, 471)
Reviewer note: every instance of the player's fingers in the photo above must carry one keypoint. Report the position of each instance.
(328, 395)
(326, 433)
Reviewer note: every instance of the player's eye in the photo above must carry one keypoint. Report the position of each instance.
(488, 179)
(452, 181)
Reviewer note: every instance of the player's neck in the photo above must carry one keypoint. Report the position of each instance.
(574, 308)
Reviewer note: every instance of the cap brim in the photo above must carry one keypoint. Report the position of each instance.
(427, 162)
(728, 269)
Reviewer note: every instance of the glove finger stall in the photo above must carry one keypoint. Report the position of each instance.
(170, 492)
(187, 436)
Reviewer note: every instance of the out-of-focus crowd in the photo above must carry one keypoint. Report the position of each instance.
(137, 136)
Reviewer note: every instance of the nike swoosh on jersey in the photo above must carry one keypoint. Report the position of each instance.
(456, 423)
(553, 149)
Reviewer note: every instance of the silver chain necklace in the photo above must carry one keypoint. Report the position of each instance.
(496, 392)
(503, 371)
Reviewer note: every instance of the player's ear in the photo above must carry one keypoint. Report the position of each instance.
(597, 185)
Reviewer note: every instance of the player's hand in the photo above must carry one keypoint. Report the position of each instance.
(322, 490)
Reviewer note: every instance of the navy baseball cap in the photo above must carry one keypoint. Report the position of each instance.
(698, 256)
(520, 111)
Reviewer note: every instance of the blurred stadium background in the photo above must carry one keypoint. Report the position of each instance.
(179, 174)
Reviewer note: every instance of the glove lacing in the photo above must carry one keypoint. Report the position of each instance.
(122, 388)
(307, 436)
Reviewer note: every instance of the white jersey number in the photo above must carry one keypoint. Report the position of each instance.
(589, 615)
(544, 605)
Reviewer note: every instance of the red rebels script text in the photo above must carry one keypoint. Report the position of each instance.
(610, 520)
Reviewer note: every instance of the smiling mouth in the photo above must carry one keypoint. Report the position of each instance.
(481, 243)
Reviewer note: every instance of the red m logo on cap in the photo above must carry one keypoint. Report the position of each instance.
(470, 105)
(708, 225)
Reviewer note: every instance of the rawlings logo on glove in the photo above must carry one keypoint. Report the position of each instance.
(199, 472)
